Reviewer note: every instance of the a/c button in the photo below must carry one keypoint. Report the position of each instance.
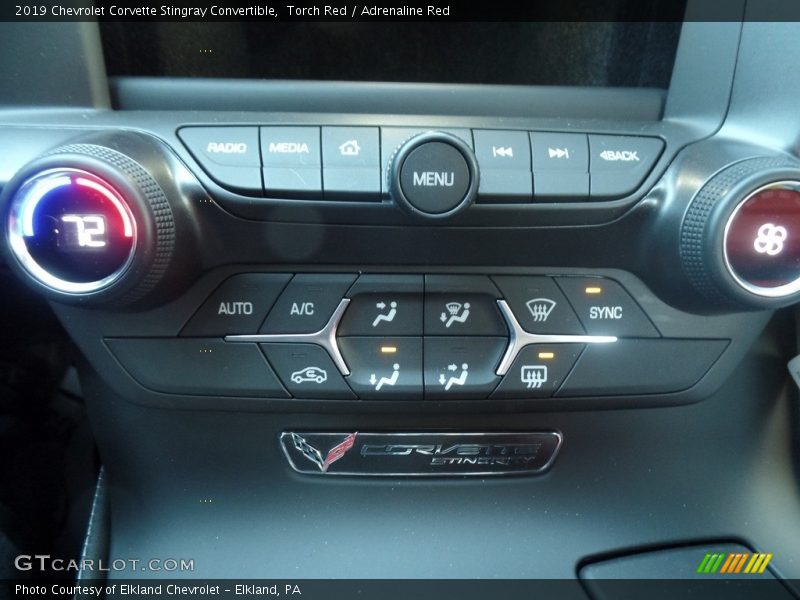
(605, 308)
(307, 303)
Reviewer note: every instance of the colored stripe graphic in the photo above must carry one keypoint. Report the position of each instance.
(733, 563)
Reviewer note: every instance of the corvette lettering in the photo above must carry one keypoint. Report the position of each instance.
(420, 454)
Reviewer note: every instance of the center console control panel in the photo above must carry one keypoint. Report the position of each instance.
(461, 294)
(397, 337)
(352, 163)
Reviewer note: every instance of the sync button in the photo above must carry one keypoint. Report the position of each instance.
(605, 308)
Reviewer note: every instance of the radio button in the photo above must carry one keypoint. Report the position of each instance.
(458, 368)
(538, 371)
(605, 308)
(229, 146)
(384, 368)
(307, 371)
(238, 306)
(620, 163)
(539, 305)
(228, 154)
(307, 303)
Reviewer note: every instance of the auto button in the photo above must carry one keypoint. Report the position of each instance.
(238, 306)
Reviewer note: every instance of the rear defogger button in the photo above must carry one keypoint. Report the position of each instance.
(434, 175)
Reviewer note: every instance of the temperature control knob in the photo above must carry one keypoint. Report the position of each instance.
(88, 223)
(740, 237)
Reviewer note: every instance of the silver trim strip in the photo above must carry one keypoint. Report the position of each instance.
(518, 338)
(325, 337)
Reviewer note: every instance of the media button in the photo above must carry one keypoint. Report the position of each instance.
(292, 160)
